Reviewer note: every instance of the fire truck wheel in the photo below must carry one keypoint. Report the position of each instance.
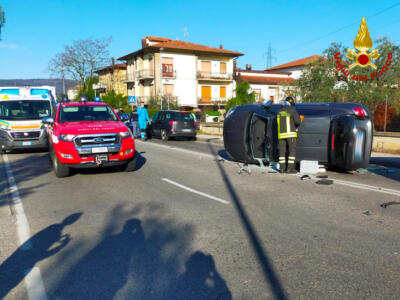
(130, 166)
(59, 168)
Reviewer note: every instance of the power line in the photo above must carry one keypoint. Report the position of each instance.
(340, 29)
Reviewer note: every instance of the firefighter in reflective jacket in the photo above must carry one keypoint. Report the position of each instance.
(288, 120)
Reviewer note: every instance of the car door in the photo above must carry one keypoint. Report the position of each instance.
(156, 123)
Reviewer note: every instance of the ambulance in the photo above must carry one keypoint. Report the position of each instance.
(21, 112)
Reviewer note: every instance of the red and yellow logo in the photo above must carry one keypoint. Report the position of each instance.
(363, 43)
(363, 57)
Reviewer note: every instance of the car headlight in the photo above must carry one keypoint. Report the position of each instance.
(4, 127)
(66, 137)
(125, 134)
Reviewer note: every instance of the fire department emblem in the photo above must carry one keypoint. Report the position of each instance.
(363, 43)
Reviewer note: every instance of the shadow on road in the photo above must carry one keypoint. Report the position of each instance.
(141, 258)
(386, 166)
(140, 162)
(270, 274)
(40, 246)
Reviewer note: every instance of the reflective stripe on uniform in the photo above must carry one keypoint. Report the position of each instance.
(281, 159)
(288, 134)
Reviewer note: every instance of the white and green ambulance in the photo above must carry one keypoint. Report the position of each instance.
(21, 113)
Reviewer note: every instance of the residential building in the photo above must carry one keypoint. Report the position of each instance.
(112, 78)
(267, 85)
(294, 67)
(197, 76)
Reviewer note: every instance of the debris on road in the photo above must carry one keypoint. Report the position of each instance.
(384, 205)
(242, 168)
(305, 177)
(325, 181)
(367, 213)
(322, 176)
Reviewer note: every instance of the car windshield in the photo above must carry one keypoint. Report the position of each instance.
(86, 113)
(24, 109)
(183, 117)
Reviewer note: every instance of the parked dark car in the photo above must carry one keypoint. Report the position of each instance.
(168, 123)
(334, 134)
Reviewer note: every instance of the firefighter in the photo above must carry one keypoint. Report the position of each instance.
(288, 120)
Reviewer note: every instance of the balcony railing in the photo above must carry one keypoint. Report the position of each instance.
(130, 77)
(214, 76)
(157, 99)
(145, 74)
(171, 74)
(212, 100)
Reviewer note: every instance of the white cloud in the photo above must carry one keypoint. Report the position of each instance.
(9, 46)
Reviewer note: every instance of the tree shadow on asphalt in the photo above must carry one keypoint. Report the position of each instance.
(23, 170)
(43, 244)
(388, 167)
(271, 277)
(141, 258)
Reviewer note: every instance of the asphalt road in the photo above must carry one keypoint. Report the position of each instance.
(186, 225)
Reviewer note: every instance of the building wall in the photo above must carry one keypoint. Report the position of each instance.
(185, 81)
(267, 90)
(119, 86)
(187, 87)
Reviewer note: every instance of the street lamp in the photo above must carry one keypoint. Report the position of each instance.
(161, 93)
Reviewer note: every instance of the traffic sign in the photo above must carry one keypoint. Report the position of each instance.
(132, 99)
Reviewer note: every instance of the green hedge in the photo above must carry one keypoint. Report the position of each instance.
(214, 113)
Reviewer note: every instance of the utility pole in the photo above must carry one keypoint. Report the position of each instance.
(270, 56)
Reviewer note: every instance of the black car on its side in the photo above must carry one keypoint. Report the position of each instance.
(334, 134)
(169, 123)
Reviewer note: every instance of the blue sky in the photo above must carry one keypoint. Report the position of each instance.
(38, 29)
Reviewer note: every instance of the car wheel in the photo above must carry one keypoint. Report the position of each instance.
(164, 135)
(193, 138)
(130, 166)
(59, 168)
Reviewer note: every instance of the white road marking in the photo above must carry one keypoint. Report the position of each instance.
(195, 191)
(179, 149)
(34, 284)
(33, 279)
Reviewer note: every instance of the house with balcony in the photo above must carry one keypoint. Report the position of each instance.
(196, 76)
(112, 78)
(267, 85)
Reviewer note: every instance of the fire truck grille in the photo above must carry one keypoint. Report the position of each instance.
(95, 140)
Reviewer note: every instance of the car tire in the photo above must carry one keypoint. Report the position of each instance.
(164, 135)
(59, 168)
(193, 138)
(129, 166)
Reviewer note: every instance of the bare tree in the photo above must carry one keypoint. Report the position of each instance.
(81, 59)
(2, 19)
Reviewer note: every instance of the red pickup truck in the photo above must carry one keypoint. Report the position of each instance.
(88, 134)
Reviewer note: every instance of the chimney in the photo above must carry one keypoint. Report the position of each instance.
(144, 45)
(112, 61)
(248, 67)
(220, 46)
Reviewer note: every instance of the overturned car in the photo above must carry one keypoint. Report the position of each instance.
(334, 134)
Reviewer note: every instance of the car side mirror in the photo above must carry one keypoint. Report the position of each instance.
(48, 121)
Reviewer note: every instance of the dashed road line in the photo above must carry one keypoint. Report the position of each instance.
(195, 191)
(33, 279)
